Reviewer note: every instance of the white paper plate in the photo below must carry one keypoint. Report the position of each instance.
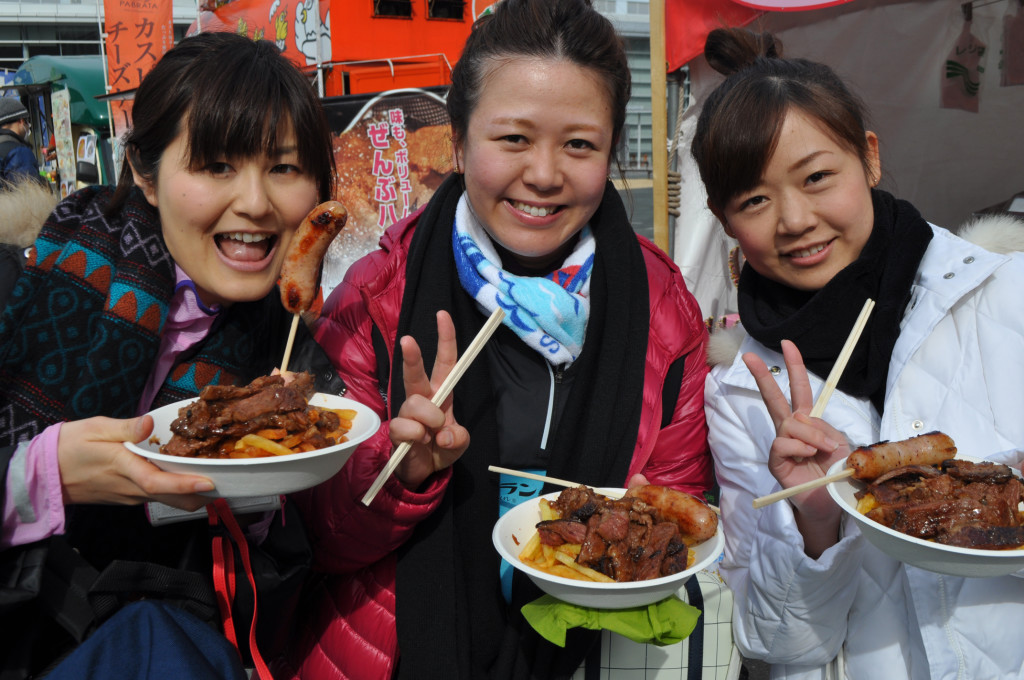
(944, 559)
(516, 526)
(244, 477)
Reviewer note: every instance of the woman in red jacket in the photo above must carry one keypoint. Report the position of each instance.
(596, 375)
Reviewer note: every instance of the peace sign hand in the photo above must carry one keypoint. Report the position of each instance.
(437, 439)
(804, 448)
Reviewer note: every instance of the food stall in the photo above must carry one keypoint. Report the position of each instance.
(59, 93)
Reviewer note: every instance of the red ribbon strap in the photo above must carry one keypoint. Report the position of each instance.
(224, 578)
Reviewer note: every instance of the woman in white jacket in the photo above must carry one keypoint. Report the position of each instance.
(790, 172)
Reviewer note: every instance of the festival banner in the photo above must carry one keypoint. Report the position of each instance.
(392, 151)
(138, 32)
(292, 26)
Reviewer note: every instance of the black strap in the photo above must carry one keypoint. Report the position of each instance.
(670, 390)
(6, 454)
(6, 147)
(592, 669)
(65, 589)
(124, 581)
(695, 659)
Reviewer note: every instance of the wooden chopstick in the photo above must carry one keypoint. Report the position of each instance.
(819, 408)
(800, 488)
(442, 393)
(529, 475)
(288, 345)
(552, 480)
(844, 356)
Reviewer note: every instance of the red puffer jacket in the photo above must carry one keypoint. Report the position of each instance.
(352, 635)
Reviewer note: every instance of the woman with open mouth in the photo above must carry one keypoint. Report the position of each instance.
(140, 296)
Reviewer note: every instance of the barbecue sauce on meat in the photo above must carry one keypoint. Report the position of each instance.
(960, 503)
(229, 411)
(625, 539)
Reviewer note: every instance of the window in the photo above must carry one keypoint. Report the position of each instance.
(392, 8)
(445, 9)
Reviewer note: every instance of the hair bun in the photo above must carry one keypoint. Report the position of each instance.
(729, 50)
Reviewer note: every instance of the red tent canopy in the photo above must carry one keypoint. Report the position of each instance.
(688, 22)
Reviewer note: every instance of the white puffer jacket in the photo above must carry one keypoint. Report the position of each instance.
(958, 366)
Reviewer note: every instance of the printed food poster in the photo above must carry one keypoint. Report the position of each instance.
(293, 27)
(392, 150)
(87, 149)
(60, 105)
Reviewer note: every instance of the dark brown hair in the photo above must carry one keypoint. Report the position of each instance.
(739, 125)
(570, 30)
(231, 94)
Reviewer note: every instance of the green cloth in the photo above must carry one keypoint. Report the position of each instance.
(662, 623)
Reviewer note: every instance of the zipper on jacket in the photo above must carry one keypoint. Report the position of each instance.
(556, 378)
(555, 374)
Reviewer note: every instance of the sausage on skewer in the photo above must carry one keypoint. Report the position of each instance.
(871, 462)
(301, 268)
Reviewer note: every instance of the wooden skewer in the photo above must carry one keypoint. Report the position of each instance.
(819, 408)
(551, 480)
(442, 393)
(800, 488)
(288, 345)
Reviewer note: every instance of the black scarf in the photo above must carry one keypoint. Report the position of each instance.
(818, 322)
(452, 620)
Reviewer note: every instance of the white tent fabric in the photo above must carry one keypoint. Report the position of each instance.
(949, 163)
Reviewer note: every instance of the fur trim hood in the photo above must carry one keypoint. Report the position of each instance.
(24, 206)
(1000, 233)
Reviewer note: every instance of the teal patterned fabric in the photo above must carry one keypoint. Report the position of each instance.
(82, 329)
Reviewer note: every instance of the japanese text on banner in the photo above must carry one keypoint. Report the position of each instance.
(138, 32)
(391, 174)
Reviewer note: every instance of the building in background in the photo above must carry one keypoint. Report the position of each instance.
(632, 19)
(62, 27)
(72, 27)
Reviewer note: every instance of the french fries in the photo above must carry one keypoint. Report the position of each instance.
(557, 560)
(587, 573)
(561, 560)
(277, 441)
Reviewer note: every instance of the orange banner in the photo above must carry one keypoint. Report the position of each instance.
(138, 33)
(293, 25)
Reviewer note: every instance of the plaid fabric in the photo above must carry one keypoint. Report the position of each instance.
(717, 658)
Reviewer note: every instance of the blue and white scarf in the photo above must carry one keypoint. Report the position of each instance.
(549, 313)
